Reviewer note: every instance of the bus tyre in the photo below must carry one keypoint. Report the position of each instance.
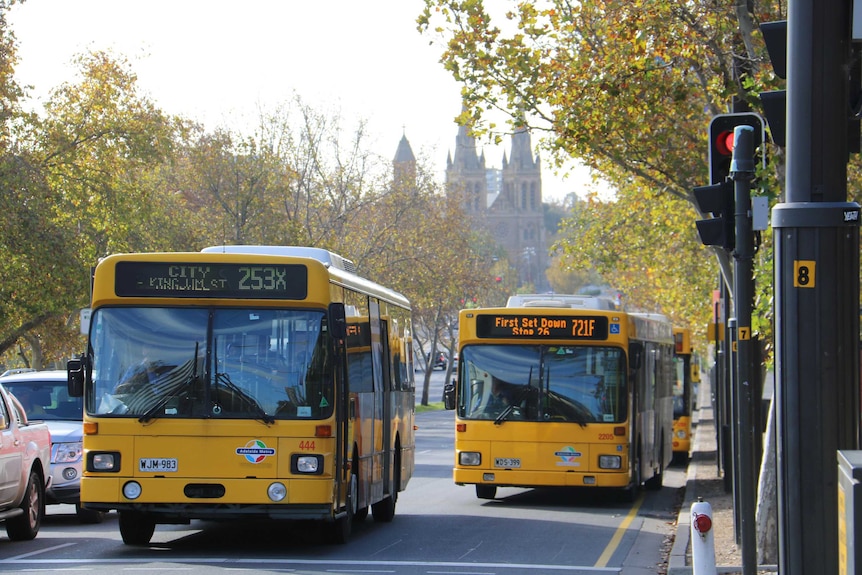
(384, 511)
(486, 491)
(339, 530)
(88, 516)
(136, 528)
(631, 493)
(654, 483)
(24, 527)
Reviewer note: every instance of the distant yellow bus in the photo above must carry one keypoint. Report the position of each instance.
(244, 382)
(683, 394)
(557, 396)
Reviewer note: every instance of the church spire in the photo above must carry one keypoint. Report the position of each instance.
(404, 164)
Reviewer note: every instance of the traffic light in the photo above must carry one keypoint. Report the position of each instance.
(721, 142)
(775, 102)
(720, 229)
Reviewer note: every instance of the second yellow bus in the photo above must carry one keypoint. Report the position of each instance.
(558, 396)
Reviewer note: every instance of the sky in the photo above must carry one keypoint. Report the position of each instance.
(215, 61)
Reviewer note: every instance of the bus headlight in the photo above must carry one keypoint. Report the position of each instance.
(132, 490)
(105, 461)
(681, 434)
(306, 464)
(470, 458)
(610, 462)
(276, 491)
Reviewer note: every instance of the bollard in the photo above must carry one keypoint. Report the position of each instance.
(702, 539)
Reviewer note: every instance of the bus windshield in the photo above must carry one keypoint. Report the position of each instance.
(578, 384)
(249, 363)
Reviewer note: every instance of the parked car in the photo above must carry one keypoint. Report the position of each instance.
(45, 396)
(440, 360)
(25, 452)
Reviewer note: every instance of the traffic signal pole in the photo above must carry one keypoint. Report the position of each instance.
(742, 170)
(816, 235)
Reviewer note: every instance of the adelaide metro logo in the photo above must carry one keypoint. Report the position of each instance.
(255, 451)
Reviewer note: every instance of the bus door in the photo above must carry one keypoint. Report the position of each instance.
(387, 410)
(648, 405)
(376, 415)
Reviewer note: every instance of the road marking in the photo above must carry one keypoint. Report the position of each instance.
(285, 563)
(618, 535)
(40, 551)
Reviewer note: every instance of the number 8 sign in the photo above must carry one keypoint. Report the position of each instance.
(803, 273)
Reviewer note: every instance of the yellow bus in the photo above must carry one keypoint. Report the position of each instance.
(683, 394)
(244, 382)
(558, 396)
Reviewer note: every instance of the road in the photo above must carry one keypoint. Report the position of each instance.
(439, 528)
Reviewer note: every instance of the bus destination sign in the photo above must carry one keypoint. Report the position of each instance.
(541, 326)
(211, 279)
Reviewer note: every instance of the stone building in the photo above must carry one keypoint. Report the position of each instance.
(507, 200)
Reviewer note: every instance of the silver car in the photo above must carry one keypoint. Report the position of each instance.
(45, 397)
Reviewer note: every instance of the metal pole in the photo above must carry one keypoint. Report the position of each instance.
(742, 172)
(816, 236)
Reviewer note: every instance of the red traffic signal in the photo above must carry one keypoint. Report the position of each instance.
(721, 141)
(724, 143)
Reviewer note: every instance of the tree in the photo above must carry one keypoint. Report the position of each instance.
(631, 96)
(82, 184)
(34, 294)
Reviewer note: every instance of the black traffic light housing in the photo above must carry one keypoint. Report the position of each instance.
(717, 199)
(775, 102)
(721, 142)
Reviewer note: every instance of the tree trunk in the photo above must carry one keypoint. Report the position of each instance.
(767, 499)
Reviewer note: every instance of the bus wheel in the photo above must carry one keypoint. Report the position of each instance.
(654, 483)
(384, 511)
(486, 491)
(631, 493)
(136, 528)
(88, 516)
(339, 530)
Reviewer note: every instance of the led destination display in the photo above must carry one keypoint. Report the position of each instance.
(542, 326)
(211, 279)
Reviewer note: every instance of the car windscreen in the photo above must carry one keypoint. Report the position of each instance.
(48, 400)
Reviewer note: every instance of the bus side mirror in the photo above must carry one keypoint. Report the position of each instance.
(636, 354)
(75, 376)
(337, 321)
(449, 395)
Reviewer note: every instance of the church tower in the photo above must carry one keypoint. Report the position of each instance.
(510, 207)
(465, 173)
(404, 164)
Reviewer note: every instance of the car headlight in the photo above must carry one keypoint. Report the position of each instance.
(66, 452)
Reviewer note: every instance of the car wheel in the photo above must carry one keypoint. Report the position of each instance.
(25, 527)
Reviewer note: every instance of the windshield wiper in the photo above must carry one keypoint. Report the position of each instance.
(263, 416)
(150, 414)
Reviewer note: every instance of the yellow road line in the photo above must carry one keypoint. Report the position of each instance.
(618, 535)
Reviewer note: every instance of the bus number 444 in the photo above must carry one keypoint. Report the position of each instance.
(306, 446)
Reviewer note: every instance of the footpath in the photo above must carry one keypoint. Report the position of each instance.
(705, 480)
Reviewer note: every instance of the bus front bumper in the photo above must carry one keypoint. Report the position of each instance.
(522, 478)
